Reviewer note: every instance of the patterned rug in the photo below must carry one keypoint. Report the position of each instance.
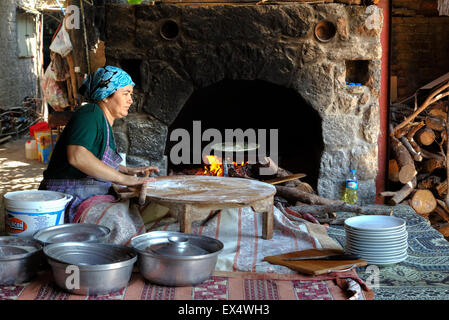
(221, 286)
(241, 272)
(424, 275)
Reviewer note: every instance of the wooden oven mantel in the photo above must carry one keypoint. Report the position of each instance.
(192, 198)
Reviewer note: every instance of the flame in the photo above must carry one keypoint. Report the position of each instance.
(214, 166)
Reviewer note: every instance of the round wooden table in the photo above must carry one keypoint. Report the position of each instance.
(191, 198)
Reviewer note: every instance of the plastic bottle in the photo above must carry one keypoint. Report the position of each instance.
(351, 190)
(31, 150)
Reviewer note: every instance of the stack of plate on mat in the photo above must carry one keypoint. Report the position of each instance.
(378, 239)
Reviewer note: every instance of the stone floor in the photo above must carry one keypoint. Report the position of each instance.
(16, 172)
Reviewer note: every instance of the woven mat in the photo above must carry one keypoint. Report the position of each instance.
(424, 275)
(221, 286)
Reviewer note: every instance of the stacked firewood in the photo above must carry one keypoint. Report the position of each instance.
(419, 146)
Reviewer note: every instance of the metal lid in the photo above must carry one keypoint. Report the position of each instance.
(235, 146)
(79, 232)
(35, 195)
(177, 246)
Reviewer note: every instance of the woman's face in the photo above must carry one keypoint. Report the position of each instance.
(119, 102)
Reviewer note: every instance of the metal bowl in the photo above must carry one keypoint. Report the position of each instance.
(90, 268)
(72, 232)
(176, 259)
(20, 259)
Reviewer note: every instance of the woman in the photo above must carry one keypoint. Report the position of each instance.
(85, 161)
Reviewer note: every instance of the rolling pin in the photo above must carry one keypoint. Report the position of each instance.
(143, 191)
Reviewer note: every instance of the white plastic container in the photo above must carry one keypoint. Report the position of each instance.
(31, 150)
(29, 211)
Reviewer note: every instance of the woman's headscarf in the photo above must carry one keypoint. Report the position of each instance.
(104, 82)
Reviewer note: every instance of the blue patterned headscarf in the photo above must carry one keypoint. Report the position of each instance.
(104, 82)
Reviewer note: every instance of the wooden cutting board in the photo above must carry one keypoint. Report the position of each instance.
(315, 267)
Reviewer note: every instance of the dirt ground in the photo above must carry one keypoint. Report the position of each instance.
(16, 172)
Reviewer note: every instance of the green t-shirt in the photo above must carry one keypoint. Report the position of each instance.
(86, 128)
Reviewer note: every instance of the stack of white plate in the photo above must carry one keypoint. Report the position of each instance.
(377, 239)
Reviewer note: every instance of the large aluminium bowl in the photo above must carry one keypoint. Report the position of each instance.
(20, 259)
(176, 259)
(90, 268)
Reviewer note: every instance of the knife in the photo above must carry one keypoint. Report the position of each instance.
(334, 257)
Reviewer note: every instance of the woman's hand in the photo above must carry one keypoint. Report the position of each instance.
(144, 171)
(130, 181)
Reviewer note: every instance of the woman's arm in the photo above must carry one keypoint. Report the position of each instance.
(85, 161)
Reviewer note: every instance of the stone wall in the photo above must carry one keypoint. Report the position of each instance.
(274, 43)
(419, 44)
(18, 77)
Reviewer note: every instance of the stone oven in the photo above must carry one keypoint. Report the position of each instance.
(312, 71)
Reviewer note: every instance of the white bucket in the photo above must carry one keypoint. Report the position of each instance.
(30, 211)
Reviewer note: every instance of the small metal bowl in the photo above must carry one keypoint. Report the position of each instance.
(20, 259)
(175, 258)
(90, 268)
(72, 232)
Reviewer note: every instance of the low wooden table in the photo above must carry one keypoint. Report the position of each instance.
(191, 198)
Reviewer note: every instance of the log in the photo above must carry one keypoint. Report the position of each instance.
(443, 229)
(393, 170)
(442, 188)
(430, 182)
(425, 136)
(439, 105)
(438, 112)
(431, 165)
(412, 132)
(430, 155)
(435, 123)
(416, 155)
(405, 162)
(411, 137)
(319, 210)
(404, 192)
(423, 202)
(441, 204)
(268, 167)
(304, 186)
(404, 131)
(293, 195)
